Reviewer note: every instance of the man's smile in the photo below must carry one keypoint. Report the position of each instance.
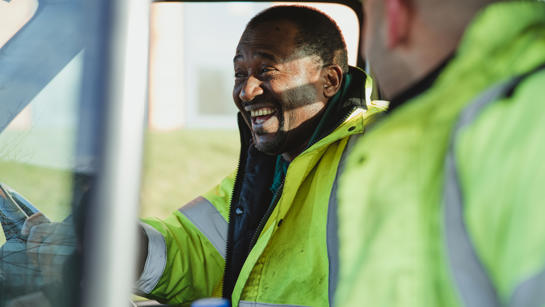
(260, 114)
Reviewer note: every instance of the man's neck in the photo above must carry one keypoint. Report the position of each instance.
(419, 86)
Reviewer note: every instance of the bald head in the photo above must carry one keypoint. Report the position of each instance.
(407, 39)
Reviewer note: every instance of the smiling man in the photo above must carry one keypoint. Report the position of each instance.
(267, 234)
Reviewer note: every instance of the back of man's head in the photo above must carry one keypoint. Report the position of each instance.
(407, 39)
(317, 33)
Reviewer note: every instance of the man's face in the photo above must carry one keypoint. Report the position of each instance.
(373, 40)
(278, 89)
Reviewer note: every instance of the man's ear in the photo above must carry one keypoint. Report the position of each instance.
(333, 78)
(398, 13)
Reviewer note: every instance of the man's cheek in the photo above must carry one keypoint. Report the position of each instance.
(288, 119)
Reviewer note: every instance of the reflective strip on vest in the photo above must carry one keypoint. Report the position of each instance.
(530, 293)
(156, 261)
(256, 304)
(209, 221)
(472, 280)
(332, 225)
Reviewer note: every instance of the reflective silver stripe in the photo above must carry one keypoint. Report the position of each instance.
(332, 225)
(209, 221)
(257, 304)
(472, 280)
(155, 262)
(530, 293)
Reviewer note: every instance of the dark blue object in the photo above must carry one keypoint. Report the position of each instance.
(12, 216)
(23, 203)
(17, 275)
(211, 302)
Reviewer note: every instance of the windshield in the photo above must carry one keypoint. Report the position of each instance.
(50, 128)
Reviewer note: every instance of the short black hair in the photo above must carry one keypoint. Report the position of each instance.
(317, 33)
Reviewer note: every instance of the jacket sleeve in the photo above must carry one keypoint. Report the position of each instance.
(186, 250)
(502, 172)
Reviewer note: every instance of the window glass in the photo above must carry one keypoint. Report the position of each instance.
(192, 139)
(13, 16)
(38, 145)
(42, 180)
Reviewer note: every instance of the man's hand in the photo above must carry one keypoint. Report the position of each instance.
(48, 245)
(33, 220)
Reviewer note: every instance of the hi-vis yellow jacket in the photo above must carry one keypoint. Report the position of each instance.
(443, 202)
(294, 259)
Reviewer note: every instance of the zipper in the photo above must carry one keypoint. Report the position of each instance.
(234, 198)
(229, 246)
(267, 214)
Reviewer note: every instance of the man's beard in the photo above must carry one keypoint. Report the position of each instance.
(278, 143)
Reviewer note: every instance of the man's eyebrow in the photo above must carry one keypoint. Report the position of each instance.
(266, 55)
(260, 54)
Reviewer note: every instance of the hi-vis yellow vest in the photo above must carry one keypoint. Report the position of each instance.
(396, 235)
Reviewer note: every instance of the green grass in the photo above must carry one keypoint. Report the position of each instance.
(50, 190)
(178, 166)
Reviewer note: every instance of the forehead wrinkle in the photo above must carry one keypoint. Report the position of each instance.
(270, 37)
(259, 51)
(265, 55)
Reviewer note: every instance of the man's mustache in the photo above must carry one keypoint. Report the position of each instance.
(260, 100)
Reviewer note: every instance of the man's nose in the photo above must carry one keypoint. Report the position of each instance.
(250, 89)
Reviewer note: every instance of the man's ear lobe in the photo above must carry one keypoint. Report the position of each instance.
(333, 77)
(398, 18)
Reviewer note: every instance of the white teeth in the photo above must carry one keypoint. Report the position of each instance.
(261, 112)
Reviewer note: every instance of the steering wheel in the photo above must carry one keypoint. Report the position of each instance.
(17, 274)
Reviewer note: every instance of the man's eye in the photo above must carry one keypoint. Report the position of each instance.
(240, 75)
(266, 70)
